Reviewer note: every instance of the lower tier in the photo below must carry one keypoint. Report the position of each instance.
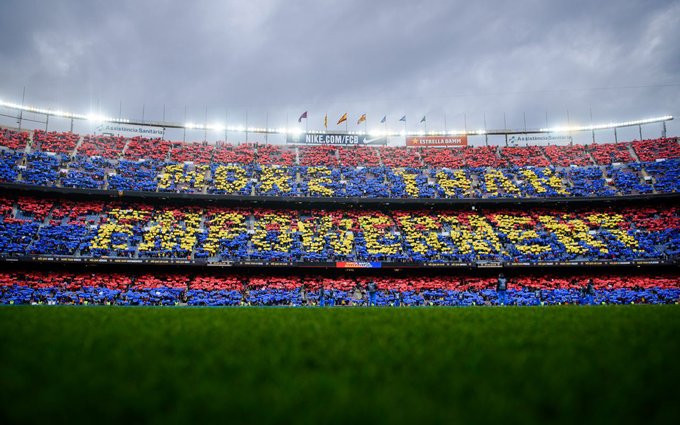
(22, 286)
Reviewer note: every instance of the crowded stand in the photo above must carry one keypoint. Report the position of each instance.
(191, 152)
(275, 155)
(319, 155)
(525, 156)
(443, 158)
(143, 148)
(609, 153)
(196, 234)
(257, 289)
(482, 156)
(652, 150)
(567, 155)
(400, 157)
(64, 143)
(110, 147)
(233, 154)
(16, 140)
(487, 172)
(36, 226)
(358, 157)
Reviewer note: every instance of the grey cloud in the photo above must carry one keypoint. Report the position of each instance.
(457, 58)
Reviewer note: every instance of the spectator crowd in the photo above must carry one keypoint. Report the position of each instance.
(31, 287)
(40, 226)
(141, 164)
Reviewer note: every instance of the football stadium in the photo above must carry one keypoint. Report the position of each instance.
(584, 236)
(393, 255)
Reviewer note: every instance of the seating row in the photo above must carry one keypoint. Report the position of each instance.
(32, 226)
(27, 287)
(114, 147)
(55, 170)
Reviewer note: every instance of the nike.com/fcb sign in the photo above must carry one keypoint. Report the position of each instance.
(333, 139)
(447, 141)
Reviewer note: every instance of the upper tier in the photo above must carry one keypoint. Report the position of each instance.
(138, 164)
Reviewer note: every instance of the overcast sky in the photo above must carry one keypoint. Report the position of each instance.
(462, 59)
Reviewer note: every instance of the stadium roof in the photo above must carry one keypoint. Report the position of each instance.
(297, 130)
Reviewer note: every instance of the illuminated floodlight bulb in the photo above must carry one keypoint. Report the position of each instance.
(95, 118)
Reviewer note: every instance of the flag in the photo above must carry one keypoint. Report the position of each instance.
(304, 115)
(423, 119)
(325, 121)
(342, 119)
(361, 119)
(382, 121)
(403, 118)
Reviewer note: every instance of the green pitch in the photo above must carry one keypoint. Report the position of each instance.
(273, 365)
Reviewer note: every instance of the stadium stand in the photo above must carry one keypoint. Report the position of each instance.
(143, 148)
(400, 157)
(110, 147)
(36, 226)
(358, 157)
(230, 154)
(275, 155)
(14, 139)
(191, 152)
(40, 287)
(443, 158)
(652, 150)
(608, 153)
(86, 229)
(525, 156)
(139, 164)
(64, 143)
(319, 155)
(564, 156)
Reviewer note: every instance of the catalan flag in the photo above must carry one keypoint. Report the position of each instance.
(325, 121)
(343, 118)
(361, 119)
(423, 119)
(403, 118)
(382, 121)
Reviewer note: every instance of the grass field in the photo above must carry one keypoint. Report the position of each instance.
(246, 365)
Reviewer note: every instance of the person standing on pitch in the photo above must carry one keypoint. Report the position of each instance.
(588, 292)
(501, 289)
(322, 296)
(331, 297)
(303, 295)
(371, 288)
